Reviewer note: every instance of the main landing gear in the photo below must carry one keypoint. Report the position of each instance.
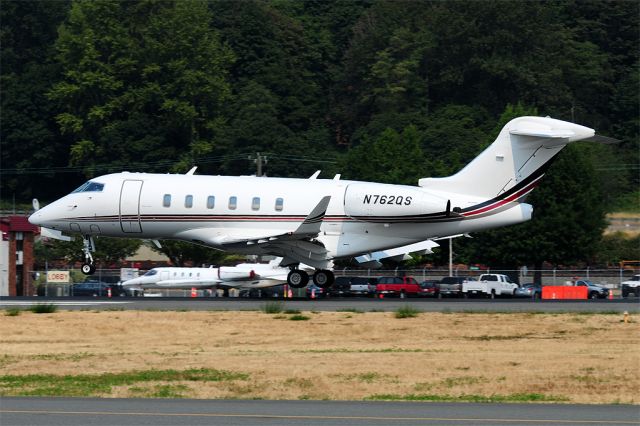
(298, 278)
(88, 267)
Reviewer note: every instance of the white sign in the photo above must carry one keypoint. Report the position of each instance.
(58, 277)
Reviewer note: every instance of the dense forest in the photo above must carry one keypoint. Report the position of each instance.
(386, 91)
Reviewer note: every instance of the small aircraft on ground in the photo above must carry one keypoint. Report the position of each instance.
(315, 221)
(244, 275)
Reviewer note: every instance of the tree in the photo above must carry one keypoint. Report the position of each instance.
(186, 254)
(144, 82)
(30, 143)
(109, 251)
(390, 158)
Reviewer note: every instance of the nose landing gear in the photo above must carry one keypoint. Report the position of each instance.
(88, 267)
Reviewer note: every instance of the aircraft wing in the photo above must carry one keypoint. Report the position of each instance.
(398, 253)
(294, 247)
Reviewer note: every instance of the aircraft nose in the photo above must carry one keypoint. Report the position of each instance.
(36, 218)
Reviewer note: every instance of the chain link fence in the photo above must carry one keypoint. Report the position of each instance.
(609, 278)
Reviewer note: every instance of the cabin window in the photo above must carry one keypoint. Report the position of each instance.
(279, 204)
(166, 200)
(211, 202)
(233, 203)
(255, 203)
(188, 201)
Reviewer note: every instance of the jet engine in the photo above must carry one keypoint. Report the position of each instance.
(232, 274)
(375, 202)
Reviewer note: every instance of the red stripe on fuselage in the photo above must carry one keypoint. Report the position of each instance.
(509, 199)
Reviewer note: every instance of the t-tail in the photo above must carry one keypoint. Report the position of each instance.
(513, 164)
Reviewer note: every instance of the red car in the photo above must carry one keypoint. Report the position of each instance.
(429, 289)
(396, 286)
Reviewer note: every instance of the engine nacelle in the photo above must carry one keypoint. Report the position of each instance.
(232, 274)
(376, 201)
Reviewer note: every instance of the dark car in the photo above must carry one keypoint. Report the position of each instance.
(530, 290)
(93, 288)
(263, 292)
(594, 291)
(429, 289)
(315, 292)
(341, 287)
(452, 286)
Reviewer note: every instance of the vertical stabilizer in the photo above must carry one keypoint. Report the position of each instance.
(519, 156)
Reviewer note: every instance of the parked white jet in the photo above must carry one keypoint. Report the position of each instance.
(244, 275)
(315, 221)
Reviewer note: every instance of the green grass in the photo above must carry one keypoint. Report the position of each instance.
(272, 308)
(12, 312)
(43, 308)
(292, 311)
(299, 318)
(101, 384)
(406, 312)
(161, 391)
(352, 310)
(516, 397)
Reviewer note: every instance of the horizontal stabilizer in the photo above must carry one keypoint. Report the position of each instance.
(602, 139)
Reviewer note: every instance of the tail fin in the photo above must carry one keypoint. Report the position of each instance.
(519, 156)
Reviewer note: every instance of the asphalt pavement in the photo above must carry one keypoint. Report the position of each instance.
(95, 411)
(631, 305)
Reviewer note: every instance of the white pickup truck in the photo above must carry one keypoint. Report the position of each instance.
(490, 285)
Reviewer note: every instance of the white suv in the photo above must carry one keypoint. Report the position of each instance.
(631, 286)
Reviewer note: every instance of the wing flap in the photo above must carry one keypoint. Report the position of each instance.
(399, 253)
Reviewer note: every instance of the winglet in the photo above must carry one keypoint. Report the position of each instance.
(311, 224)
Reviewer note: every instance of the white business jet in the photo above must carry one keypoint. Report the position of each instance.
(244, 275)
(315, 221)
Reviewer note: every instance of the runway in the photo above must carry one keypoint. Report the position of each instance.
(334, 304)
(84, 411)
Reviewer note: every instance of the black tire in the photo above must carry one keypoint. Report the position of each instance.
(493, 294)
(297, 278)
(88, 269)
(593, 295)
(323, 278)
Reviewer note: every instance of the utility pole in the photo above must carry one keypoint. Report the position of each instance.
(450, 257)
(259, 160)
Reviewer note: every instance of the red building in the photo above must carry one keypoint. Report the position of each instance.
(16, 256)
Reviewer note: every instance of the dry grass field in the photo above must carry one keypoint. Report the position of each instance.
(577, 358)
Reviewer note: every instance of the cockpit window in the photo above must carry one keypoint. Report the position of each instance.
(150, 273)
(90, 187)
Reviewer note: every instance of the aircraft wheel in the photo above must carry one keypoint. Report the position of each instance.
(88, 269)
(297, 278)
(323, 278)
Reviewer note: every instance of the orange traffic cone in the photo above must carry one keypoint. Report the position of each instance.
(313, 293)
(381, 296)
(194, 292)
(610, 294)
(109, 292)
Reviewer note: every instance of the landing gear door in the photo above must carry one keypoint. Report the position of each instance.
(130, 206)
